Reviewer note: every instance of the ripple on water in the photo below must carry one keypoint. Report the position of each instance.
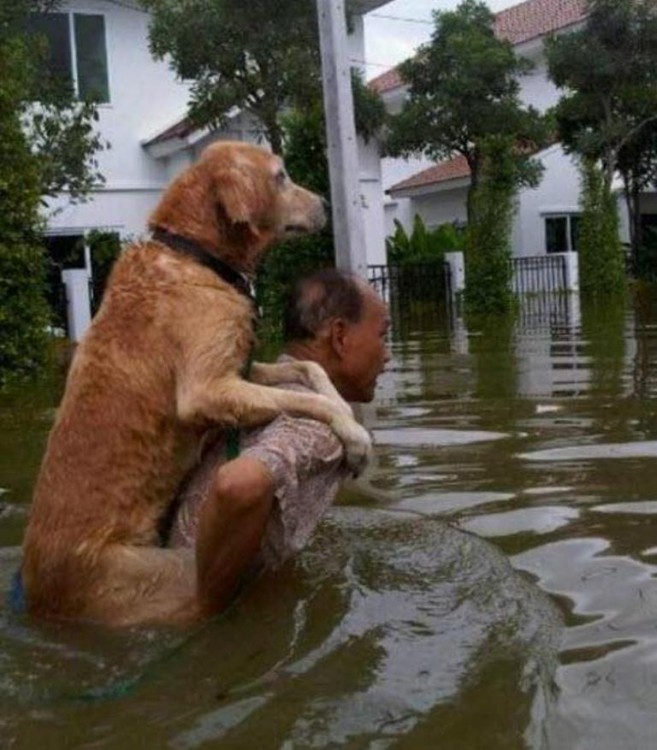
(371, 635)
(639, 449)
(429, 437)
(541, 520)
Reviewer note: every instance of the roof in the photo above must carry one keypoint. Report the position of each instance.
(180, 129)
(536, 18)
(453, 169)
(521, 23)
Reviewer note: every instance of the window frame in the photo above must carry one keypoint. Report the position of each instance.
(568, 216)
(73, 53)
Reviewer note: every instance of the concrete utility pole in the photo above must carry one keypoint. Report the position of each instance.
(348, 230)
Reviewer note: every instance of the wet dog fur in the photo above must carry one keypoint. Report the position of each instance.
(158, 366)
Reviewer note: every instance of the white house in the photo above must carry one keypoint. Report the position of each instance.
(143, 113)
(547, 217)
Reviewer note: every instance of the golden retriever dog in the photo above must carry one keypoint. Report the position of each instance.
(159, 365)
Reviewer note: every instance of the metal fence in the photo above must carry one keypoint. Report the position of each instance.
(541, 273)
(400, 284)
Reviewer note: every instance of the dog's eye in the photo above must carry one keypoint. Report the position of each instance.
(282, 176)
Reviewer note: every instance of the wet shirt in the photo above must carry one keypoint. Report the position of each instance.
(305, 459)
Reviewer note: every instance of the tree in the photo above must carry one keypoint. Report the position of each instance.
(488, 250)
(261, 56)
(609, 111)
(44, 148)
(464, 100)
(463, 89)
(600, 251)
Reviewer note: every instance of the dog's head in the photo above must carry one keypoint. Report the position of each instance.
(236, 201)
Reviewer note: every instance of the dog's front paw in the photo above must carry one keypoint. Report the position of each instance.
(319, 381)
(357, 442)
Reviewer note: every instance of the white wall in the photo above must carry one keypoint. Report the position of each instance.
(558, 193)
(560, 185)
(441, 208)
(145, 98)
(537, 90)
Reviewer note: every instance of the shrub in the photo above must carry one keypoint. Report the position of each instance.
(422, 245)
(601, 257)
(488, 240)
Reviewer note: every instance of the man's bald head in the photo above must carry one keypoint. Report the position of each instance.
(320, 298)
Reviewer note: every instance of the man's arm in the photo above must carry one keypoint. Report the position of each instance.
(231, 526)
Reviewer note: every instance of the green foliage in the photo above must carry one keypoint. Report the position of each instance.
(44, 148)
(463, 89)
(261, 57)
(600, 252)
(105, 248)
(422, 245)
(609, 111)
(305, 159)
(488, 240)
(24, 315)
(464, 100)
(304, 149)
(369, 109)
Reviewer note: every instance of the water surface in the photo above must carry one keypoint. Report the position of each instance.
(489, 584)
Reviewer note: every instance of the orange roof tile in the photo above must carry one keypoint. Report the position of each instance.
(535, 18)
(447, 170)
(386, 81)
(518, 24)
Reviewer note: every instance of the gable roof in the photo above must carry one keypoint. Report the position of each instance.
(453, 169)
(180, 129)
(521, 23)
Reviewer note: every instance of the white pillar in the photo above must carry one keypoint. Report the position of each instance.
(348, 232)
(78, 310)
(87, 257)
(457, 271)
(572, 272)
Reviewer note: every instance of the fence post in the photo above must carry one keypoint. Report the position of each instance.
(78, 309)
(571, 261)
(457, 271)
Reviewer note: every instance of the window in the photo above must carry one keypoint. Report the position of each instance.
(562, 233)
(76, 51)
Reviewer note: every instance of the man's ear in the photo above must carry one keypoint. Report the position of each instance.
(338, 335)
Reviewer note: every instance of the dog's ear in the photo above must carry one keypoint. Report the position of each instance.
(240, 196)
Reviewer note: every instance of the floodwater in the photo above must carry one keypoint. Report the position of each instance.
(489, 584)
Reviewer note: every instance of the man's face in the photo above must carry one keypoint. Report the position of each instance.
(365, 351)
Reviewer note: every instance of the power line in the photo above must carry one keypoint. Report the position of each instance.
(373, 64)
(401, 18)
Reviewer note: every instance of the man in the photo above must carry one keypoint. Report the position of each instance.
(262, 507)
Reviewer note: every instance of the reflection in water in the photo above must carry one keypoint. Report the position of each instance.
(400, 627)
